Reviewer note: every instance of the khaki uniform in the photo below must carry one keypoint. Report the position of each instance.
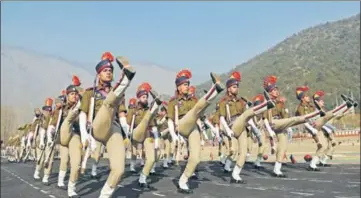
(260, 125)
(236, 108)
(224, 149)
(70, 143)
(166, 139)
(43, 124)
(143, 122)
(279, 121)
(306, 108)
(106, 128)
(189, 110)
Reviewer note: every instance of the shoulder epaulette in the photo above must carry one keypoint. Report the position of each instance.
(224, 98)
(172, 98)
(89, 89)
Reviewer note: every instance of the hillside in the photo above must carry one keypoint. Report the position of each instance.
(325, 57)
(27, 78)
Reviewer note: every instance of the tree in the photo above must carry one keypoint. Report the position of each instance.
(8, 122)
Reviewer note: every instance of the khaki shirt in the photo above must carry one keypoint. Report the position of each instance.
(66, 109)
(161, 126)
(236, 106)
(278, 112)
(214, 118)
(100, 96)
(184, 104)
(304, 108)
(38, 121)
(139, 111)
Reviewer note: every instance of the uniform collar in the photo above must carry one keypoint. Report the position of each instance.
(232, 97)
(183, 97)
(141, 106)
(102, 87)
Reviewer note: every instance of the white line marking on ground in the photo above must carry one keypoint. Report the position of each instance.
(316, 172)
(45, 192)
(136, 189)
(158, 194)
(220, 184)
(120, 186)
(353, 182)
(21, 179)
(253, 188)
(320, 181)
(347, 197)
(304, 194)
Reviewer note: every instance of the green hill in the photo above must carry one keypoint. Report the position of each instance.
(325, 57)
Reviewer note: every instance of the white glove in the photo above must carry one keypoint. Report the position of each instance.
(83, 128)
(171, 130)
(181, 139)
(42, 145)
(289, 130)
(30, 138)
(92, 143)
(229, 132)
(269, 129)
(156, 137)
(50, 143)
(124, 124)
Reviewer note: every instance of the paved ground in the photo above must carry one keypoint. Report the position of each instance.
(338, 181)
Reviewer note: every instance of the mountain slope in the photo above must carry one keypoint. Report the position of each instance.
(28, 78)
(325, 57)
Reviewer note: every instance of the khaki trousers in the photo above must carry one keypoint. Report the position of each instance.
(187, 127)
(320, 151)
(166, 147)
(64, 158)
(194, 152)
(140, 132)
(97, 153)
(39, 166)
(72, 146)
(249, 142)
(262, 149)
(279, 126)
(151, 155)
(109, 133)
(240, 134)
(331, 145)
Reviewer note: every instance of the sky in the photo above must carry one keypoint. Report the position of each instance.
(203, 36)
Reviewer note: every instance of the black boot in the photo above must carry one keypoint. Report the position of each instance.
(282, 175)
(309, 168)
(270, 103)
(324, 165)
(96, 177)
(155, 97)
(349, 102)
(129, 72)
(62, 187)
(144, 186)
(322, 113)
(235, 181)
(184, 191)
(216, 81)
(74, 196)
